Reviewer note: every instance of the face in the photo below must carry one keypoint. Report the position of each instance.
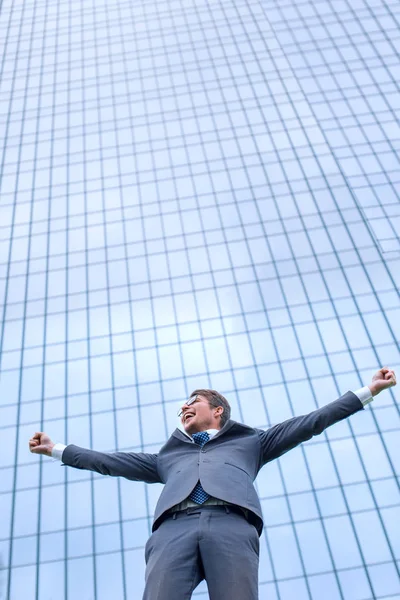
(200, 416)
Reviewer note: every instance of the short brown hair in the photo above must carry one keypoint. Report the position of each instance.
(215, 399)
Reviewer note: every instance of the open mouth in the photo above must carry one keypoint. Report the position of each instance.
(187, 417)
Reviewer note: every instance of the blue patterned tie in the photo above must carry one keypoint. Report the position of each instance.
(199, 495)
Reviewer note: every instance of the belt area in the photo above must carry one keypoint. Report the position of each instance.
(195, 509)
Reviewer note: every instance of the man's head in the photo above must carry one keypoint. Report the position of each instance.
(210, 410)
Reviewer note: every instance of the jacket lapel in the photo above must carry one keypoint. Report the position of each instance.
(182, 436)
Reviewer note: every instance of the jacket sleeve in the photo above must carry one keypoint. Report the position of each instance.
(131, 465)
(287, 435)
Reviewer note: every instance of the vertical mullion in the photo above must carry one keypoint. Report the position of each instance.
(107, 267)
(88, 332)
(25, 302)
(44, 357)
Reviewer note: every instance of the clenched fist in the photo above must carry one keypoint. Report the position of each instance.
(383, 379)
(40, 443)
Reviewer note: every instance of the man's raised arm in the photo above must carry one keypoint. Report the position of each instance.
(136, 466)
(287, 435)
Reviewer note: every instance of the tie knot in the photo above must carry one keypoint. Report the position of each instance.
(201, 437)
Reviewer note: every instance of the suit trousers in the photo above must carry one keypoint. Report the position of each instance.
(210, 542)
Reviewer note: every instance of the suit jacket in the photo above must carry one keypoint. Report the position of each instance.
(226, 465)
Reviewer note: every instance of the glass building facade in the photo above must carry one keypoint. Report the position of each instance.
(198, 194)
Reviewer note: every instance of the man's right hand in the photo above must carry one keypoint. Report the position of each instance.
(40, 443)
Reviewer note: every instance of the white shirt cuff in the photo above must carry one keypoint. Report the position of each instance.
(57, 451)
(365, 395)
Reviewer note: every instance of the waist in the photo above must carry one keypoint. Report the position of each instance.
(187, 503)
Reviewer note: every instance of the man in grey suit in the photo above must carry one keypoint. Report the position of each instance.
(208, 518)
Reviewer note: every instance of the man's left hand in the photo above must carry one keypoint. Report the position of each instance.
(382, 380)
